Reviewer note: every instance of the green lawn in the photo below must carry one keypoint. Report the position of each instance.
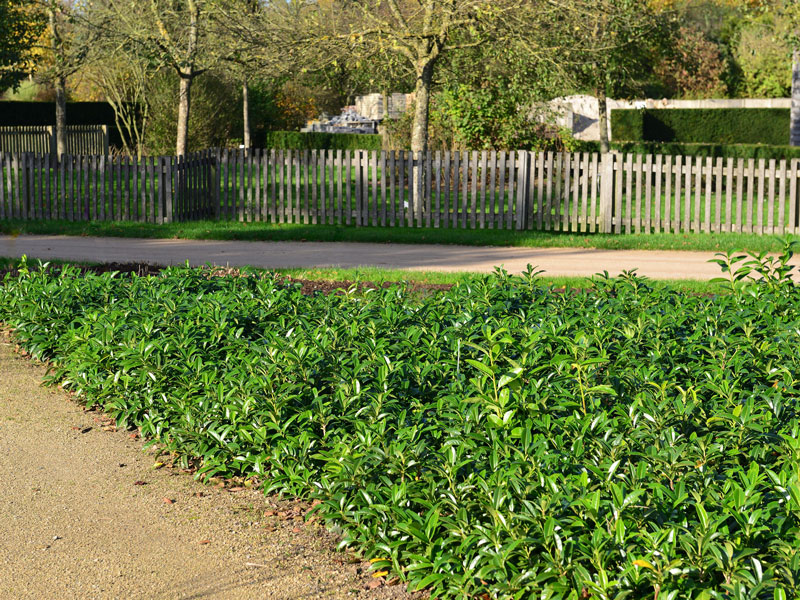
(230, 230)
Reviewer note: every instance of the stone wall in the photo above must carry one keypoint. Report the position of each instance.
(371, 105)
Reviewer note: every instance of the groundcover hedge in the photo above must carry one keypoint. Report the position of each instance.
(500, 440)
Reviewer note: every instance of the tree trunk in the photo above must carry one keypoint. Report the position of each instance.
(184, 98)
(422, 97)
(60, 83)
(246, 116)
(794, 137)
(61, 117)
(602, 115)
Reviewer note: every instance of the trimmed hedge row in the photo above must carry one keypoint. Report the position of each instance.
(713, 150)
(710, 126)
(296, 140)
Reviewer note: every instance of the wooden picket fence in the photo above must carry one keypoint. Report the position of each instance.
(517, 190)
(41, 139)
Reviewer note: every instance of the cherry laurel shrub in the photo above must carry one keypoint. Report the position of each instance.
(499, 440)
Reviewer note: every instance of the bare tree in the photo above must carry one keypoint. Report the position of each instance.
(262, 39)
(168, 33)
(418, 32)
(64, 51)
(123, 78)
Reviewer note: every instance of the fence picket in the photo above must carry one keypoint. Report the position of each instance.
(716, 225)
(402, 182)
(509, 200)
(793, 227)
(648, 188)
(709, 173)
(5, 176)
(780, 227)
(770, 220)
(751, 184)
(693, 167)
(727, 224)
(740, 174)
(464, 175)
(692, 170)
(761, 198)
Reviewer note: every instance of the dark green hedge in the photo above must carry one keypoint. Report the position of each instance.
(295, 140)
(697, 125)
(13, 114)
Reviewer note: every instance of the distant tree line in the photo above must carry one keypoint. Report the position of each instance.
(183, 74)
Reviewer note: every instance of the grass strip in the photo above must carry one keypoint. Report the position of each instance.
(379, 275)
(215, 230)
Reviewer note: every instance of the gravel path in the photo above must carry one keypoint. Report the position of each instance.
(74, 523)
(578, 262)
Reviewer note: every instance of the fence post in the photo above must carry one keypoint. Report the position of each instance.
(215, 179)
(606, 191)
(522, 189)
(52, 138)
(105, 139)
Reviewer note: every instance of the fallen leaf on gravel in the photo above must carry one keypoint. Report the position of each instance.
(109, 428)
(139, 483)
(395, 581)
(296, 530)
(158, 465)
(375, 583)
(168, 500)
(236, 489)
(133, 436)
(204, 542)
(270, 513)
(380, 573)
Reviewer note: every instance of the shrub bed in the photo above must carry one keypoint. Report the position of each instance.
(497, 440)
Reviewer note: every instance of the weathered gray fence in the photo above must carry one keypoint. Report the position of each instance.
(81, 139)
(518, 190)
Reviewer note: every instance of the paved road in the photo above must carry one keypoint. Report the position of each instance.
(430, 257)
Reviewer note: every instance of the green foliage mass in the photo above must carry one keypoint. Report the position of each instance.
(713, 125)
(499, 440)
(20, 25)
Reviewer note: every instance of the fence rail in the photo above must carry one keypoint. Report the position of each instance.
(518, 190)
(41, 139)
